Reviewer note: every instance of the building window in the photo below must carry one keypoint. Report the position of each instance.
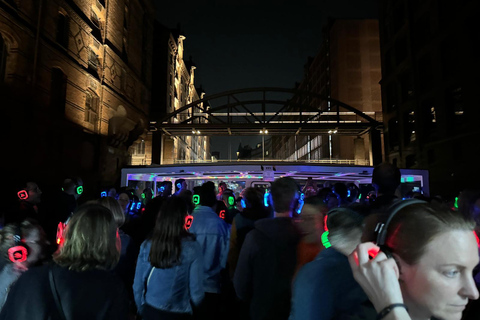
(391, 97)
(58, 92)
(92, 102)
(393, 133)
(406, 87)
(3, 58)
(454, 100)
(139, 148)
(95, 19)
(429, 117)
(93, 61)
(425, 72)
(63, 30)
(409, 127)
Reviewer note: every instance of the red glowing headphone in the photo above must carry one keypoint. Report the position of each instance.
(22, 194)
(18, 253)
(188, 222)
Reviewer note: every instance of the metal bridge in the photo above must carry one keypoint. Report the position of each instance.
(276, 111)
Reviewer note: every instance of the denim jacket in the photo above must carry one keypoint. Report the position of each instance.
(174, 289)
(213, 235)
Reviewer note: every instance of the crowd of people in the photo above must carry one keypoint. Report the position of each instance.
(289, 252)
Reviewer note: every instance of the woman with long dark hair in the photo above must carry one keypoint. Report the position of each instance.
(169, 276)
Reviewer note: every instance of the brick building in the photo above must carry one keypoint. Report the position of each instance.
(347, 69)
(174, 90)
(76, 81)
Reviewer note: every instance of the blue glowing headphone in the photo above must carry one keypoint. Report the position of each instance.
(242, 203)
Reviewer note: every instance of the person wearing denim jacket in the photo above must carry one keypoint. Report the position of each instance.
(162, 285)
(168, 279)
(213, 235)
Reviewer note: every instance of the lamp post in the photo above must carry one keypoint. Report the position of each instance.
(263, 132)
(330, 132)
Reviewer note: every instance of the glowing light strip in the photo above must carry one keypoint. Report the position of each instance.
(325, 242)
(243, 114)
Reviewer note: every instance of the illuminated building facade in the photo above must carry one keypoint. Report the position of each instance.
(430, 83)
(77, 76)
(346, 69)
(173, 91)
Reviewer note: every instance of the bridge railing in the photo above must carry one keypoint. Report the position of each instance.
(350, 162)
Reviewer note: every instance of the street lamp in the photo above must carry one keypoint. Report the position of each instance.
(330, 132)
(263, 132)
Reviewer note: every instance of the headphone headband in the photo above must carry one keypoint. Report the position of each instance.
(382, 228)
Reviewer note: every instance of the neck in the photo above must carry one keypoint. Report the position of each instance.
(346, 248)
(287, 214)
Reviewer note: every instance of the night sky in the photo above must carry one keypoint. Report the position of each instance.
(253, 43)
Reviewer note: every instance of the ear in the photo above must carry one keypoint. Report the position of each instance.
(403, 267)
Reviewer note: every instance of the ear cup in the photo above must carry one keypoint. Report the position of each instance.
(18, 253)
(196, 199)
(300, 203)
(382, 227)
(22, 194)
(243, 204)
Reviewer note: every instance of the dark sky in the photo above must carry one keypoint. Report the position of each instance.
(248, 43)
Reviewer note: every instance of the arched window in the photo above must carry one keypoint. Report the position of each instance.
(58, 91)
(3, 58)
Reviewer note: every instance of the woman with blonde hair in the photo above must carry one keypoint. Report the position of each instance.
(424, 268)
(78, 285)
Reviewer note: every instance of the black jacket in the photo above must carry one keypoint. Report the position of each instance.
(265, 268)
(92, 294)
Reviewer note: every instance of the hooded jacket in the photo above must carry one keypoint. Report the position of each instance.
(263, 276)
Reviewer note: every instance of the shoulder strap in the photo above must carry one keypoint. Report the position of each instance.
(55, 294)
(147, 281)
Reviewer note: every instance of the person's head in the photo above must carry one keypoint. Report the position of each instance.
(284, 195)
(166, 188)
(332, 200)
(124, 199)
(207, 194)
(311, 218)
(222, 186)
(253, 198)
(180, 184)
(73, 186)
(228, 198)
(345, 228)
(436, 252)
(117, 211)
(112, 192)
(469, 204)
(147, 195)
(30, 192)
(341, 190)
(386, 178)
(90, 240)
(168, 232)
(31, 237)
